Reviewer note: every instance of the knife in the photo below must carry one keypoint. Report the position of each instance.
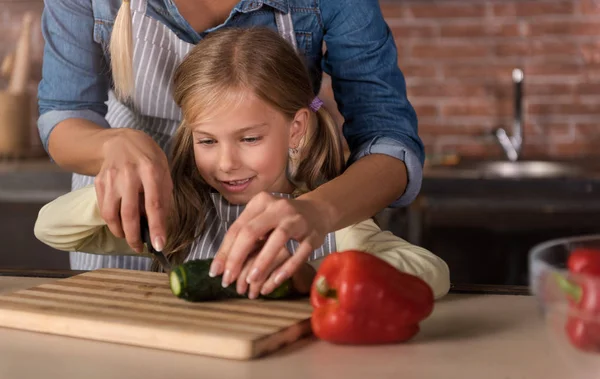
(144, 228)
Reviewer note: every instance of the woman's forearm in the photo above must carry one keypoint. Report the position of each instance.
(76, 145)
(365, 188)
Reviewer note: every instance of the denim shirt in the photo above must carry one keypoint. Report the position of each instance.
(361, 58)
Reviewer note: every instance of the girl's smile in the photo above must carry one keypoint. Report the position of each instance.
(236, 186)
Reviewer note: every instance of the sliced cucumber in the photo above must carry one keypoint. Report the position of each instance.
(190, 281)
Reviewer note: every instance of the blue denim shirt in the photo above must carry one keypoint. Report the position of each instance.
(361, 58)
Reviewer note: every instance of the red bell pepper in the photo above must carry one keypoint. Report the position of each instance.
(585, 260)
(358, 298)
(583, 290)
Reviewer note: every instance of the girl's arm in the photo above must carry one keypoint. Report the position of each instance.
(72, 222)
(368, 237)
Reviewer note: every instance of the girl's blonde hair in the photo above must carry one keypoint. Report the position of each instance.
(216, 75)
(121, 53)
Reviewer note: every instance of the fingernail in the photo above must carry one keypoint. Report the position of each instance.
(240, 288)
(253, 275)
(226, 277)
(265, 290)
(214, 269)
(159, 244)
(279, 278)
(252, 295)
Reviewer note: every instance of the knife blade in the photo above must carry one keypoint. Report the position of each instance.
(145, 230)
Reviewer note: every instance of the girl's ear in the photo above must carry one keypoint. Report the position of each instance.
(299, 127)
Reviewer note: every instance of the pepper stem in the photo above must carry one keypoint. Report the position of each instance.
(323, 288)
(572, 290)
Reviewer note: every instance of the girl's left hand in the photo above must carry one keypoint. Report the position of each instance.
(273, 220)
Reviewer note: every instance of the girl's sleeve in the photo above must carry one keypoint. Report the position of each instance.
(368, 237)
(72, 222)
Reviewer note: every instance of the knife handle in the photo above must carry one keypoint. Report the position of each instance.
(145, 230)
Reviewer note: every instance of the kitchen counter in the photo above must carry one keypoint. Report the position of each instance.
(467, 336)
(32, 181)
(40, 180)
(463, 186)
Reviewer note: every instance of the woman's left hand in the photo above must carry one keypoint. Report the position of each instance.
(273, 220)
(301, 280)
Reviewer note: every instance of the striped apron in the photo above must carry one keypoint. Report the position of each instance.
(157, 52)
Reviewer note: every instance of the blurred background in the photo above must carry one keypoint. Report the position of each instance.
(508, 98)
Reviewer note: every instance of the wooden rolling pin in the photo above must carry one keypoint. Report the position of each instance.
(22, 59)
(15, 107)
(7, 65)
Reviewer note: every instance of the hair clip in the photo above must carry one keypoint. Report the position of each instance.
(316, 104)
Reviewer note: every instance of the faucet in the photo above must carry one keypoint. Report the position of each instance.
(512, 144)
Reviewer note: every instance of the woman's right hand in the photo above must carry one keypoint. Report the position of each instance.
(134, 174)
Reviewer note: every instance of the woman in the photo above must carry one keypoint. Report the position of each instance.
(120, 140)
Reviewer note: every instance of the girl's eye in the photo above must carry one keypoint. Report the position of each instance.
(206, 141)
(251, 139)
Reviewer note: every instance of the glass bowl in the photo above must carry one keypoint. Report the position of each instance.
(569, 303)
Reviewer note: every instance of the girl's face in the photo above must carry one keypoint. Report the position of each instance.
(245, 150)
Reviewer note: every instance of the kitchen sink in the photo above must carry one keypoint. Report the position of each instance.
(524, 169)
(529, 169)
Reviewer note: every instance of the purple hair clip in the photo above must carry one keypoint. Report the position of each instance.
(316, 104)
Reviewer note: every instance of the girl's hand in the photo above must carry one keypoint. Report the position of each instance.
(274, 220)
(133, 165)
(301, 280)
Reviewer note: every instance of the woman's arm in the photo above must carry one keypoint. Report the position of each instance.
(72, 95)
(72, 222)
(365, 188)
(370, 91)
(74, 87)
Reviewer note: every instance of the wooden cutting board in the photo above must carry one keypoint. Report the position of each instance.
(138, 308)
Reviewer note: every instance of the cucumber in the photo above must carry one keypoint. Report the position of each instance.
(190, 281)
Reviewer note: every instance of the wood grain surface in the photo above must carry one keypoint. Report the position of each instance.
(138, 308)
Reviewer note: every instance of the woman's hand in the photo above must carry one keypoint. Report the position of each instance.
(301, 280)
(274, 220)
(134, 164)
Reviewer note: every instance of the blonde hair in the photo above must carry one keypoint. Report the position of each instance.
(222, 68)
(121, 53)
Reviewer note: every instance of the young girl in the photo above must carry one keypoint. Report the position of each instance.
(251, 126)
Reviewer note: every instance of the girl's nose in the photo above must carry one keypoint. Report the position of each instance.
(229, 160)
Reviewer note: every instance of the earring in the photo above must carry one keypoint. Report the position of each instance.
(293, 151)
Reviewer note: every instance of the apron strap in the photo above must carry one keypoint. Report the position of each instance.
(285, 26)
(139, 6)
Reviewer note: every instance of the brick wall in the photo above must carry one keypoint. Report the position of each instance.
(458, 57)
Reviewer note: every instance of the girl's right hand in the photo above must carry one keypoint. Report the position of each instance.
(134, 165)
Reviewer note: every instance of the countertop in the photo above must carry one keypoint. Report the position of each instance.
(468, 336)
(464, 186)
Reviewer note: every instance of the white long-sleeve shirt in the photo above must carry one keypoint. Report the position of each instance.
(72, 222)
